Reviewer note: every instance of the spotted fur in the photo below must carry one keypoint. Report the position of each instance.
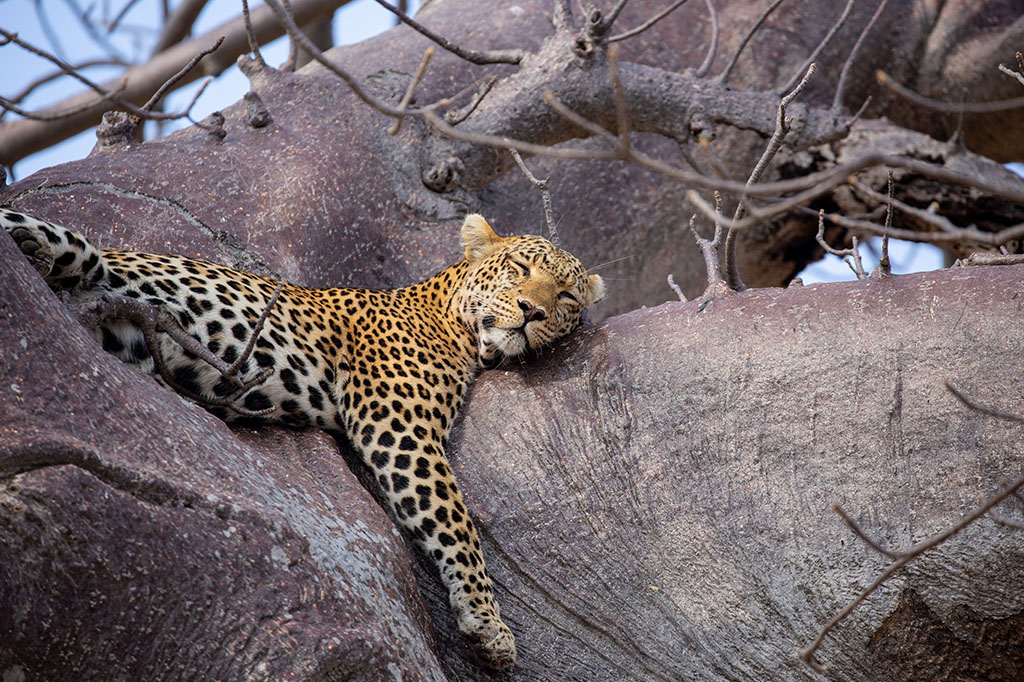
(386, 370)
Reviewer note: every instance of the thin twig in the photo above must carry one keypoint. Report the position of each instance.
(977, 407)
(884, 268)
(850, 256)
(675, 287)
(709, 59)
(807, 654)
(1012, 73)
(862, 535)
(947, 107)
(621, 108)
(724, 76)
(170, 82)
(407, 97)
(457, 116)
(313, 51)
(732, 274)
(821, 46)
(43, 80)
(927, 216)
(254, 45)
(844, 75)
(68, 69)
(647, 24)
(542, 185)
(473, 56)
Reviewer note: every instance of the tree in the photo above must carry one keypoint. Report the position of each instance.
(653, 492)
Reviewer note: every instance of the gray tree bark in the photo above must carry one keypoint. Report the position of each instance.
(653, 493)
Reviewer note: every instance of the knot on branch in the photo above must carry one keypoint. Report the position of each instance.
(256, 112)
(442, 177)
(215, 128)
(255, 69)
(114, 131)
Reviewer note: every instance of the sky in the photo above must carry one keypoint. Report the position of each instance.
(46, 22)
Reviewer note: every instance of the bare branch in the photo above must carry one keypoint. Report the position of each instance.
(172, 81)
(23, 137)
(407, 97)
(807, 654)
(724, 76)
(675, 287)
(947, 107)
(884, 268)
(81, 66)
(378, 104)
(1012, 73)
(542, 185)
(821, 46)
(254, 46)
(705, 66)
(990, 411)
(850, 256)
(732, 274)
(862, 535)
(844, 75)
(152, 320)
(473, 56)
(647, 24)
(457, 116)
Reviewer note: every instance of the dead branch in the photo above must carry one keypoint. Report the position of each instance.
(254, 45)
(724, 75)
(407, 97)
(151, 320)
(886, 81)
(782, 126)
(20, 138)
(807, 654)
(457, 116)
(647, 24)
(472, 56)
(822, 44)
(541, 185)
(844, 75)
(850, 256)
(903, 558)
(884, 268)
(709, 59)
(381, 106)
(173, 80)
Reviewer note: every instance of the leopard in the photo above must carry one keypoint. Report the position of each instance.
(385, 371)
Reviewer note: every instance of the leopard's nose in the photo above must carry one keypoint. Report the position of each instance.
(530, 311)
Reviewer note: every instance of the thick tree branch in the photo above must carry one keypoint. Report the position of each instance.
(18, 139)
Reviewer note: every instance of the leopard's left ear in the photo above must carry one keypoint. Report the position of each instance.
(478, 238)
(595, 290)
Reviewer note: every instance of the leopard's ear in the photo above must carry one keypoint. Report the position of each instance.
(478, 238)
(595, 290)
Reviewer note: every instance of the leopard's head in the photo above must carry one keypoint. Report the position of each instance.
(520, 292)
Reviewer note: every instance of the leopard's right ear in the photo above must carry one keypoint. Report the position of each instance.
(478, 238)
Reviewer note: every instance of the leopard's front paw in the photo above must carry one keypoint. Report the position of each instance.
(492, 640)
(34, 246)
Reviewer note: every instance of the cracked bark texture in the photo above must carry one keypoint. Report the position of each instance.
(653, 493)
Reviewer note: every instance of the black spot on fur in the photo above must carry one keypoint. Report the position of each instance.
(257, 400)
